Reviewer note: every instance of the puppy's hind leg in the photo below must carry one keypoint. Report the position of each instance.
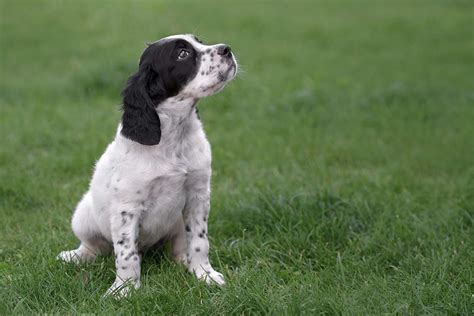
(86, 230)
(179, 245)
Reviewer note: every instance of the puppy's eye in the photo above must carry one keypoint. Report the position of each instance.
(183, 54)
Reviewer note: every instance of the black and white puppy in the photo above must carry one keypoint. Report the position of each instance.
(153, 181)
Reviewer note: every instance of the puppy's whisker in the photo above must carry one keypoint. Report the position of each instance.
(241, 71)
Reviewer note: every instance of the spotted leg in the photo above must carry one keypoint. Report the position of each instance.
(195, 216)
(124, 227)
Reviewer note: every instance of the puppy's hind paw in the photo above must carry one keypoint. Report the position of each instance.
(70, 256)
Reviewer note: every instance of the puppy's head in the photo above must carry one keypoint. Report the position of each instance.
(178, 66)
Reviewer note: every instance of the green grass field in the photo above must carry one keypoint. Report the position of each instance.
(343, 155)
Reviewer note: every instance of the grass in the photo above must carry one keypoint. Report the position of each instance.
(343, 156)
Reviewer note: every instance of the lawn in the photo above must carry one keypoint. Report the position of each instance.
(343, 155)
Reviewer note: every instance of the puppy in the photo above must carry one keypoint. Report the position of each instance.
(153, 181)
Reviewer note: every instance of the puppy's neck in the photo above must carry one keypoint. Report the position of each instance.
(176, 107)
(178, 117)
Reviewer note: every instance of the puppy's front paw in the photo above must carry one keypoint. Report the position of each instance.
(215, 277)
(121, 289)
(210, 276)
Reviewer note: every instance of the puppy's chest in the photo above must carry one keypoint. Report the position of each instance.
(163, 181)
(167, 189)
(164, 203)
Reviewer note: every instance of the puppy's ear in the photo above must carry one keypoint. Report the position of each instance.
(140, 122)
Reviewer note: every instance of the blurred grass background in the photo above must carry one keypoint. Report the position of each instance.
(343, 155)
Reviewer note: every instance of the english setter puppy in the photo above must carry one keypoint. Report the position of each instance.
(153, 181)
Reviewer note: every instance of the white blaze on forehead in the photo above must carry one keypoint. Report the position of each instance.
(187, 37)
(179, 36)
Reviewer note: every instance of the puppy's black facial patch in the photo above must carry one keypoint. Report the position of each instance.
(165, 67)
(164, 59)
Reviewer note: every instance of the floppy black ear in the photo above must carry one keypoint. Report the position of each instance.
(140, 122)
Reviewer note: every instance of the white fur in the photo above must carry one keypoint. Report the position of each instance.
(140, 195)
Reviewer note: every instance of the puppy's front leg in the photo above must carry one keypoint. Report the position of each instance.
(124, 226)
(195, 217)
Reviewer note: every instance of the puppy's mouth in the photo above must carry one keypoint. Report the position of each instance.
(223, 77)
(228, 75)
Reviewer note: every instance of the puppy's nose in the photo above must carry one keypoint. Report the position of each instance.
(224, 50)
